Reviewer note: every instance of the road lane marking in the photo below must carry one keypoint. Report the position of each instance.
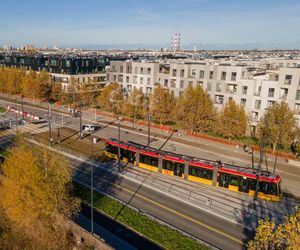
(179, 214)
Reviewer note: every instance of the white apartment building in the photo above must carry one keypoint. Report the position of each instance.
(256, 85)
(64, 79)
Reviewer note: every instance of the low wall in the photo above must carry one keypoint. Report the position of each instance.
(83, 237)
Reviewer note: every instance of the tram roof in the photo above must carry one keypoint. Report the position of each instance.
(247, 171)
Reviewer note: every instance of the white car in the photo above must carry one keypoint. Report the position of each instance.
(89, 127)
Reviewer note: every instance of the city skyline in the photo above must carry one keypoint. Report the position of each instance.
(136, 24)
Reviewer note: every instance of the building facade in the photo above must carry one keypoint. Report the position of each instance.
(256, 85)
(61, 67)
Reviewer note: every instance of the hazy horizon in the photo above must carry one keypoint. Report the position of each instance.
(135, 24)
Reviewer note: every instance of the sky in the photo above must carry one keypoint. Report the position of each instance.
(151, 23)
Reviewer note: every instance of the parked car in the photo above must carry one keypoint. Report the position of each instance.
(89, 127)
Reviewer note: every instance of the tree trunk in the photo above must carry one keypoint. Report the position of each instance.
(274, 147)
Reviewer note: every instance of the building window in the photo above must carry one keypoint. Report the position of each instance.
(166, 82)
(135, 80)
(288, 79)
(141, 80)
(182, 73)
(121, 69)
(200, 83)
(193, 73)
(149, 71)
(115, 78)
(270, 104)
(283, 93)
(174, 73)
(244, 90)
(233, 76)
(223, 75)
(208, 88)
(173, 83)
(257, 104)
(271, 92)
(120, 78)
(297, 94)
(148, 81)
(142, 70)
(243, 102)
(136, 70)
(211, 74)
(181, 84)
(201, 74)
(219, 99)
(127, 79)
(218, 87)
(297, 107)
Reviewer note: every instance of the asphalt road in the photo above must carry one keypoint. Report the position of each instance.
(194, 221)
(198, 223)
(290, 175)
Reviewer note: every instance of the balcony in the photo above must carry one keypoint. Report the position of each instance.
(228, 91)
(257, 93)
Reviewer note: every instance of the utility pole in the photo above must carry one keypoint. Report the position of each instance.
(80, 122)
(22, 107)
(277, 146)
(50, 124)
(119, 146)
(16, 117)
(133, 120)
(94, 140)
(149, 119)
(58, 136)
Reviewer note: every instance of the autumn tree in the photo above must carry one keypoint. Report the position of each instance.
(30, 85)
(161, 105)
(232, 120)
(134, 104)
(88, 92)
(72, 94)
(278, 125)
(270, 236)
(194, 110)
(36, 196)
(111, 98)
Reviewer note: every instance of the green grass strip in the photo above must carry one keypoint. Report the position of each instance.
(2, 110)
(163, 235)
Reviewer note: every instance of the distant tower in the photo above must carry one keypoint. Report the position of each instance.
(176, 42)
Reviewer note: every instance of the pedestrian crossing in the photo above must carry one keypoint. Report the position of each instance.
(29, 128)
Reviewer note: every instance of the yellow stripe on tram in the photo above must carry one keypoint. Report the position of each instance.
(180, 214)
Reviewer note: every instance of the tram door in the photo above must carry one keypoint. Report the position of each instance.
(131, 156)
(224, 180)
(178, 169)
(243, 185)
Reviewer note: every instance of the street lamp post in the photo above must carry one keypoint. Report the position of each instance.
(22, 107)
(149, 119)
(80, 122)
(119, 146)
(94, 141)
(50, 124)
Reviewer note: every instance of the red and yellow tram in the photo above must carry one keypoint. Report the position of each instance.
(214, 173)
